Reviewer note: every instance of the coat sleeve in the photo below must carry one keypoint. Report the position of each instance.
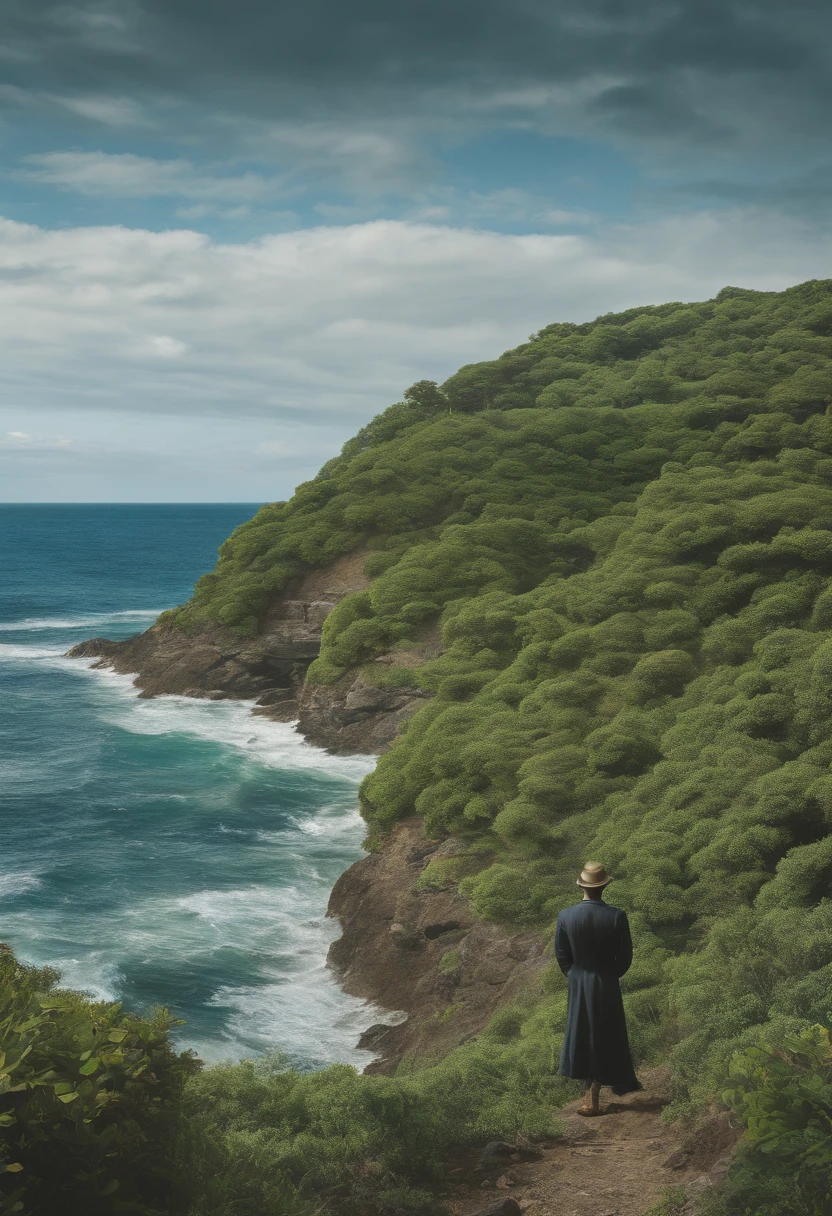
(623, 944)
(563, 950)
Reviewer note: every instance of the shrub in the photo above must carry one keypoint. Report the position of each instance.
(89, 1100)
(783, 1096)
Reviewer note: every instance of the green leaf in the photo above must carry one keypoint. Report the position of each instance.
(14, 1168)
(117, 1036)
(110, 1187)
(67, 1097)
(89, 1067)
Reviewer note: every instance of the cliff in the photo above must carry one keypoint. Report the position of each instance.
(214, 662)
(423, 951)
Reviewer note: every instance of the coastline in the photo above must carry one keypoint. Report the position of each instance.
(413, 950)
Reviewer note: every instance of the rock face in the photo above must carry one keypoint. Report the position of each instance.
(214, 662)
(422, 952)
(354, 717)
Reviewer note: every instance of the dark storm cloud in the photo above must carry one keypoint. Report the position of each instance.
(694, 71)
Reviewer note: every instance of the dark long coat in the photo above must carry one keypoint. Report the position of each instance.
(593, 948)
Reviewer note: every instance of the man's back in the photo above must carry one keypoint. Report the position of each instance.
(594, 936)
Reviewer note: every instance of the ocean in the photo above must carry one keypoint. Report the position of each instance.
(165, 852)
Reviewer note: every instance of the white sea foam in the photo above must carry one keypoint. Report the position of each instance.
(331, 825)
(95, 973)
(15, 882)
(300, 1009)
(11, 653)
(312, 827)
(230, 723)
(297, 1007)
(91, 620)
(305, 1015)
(276, 745)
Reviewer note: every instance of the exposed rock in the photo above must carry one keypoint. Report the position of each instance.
(372, 1039)
(406, 937)
(679, 1160)
(353, 716)
(497, 1152)
(433, 931)
(503, 1207)
(214, 662)
(377, 901)
(494, 1151)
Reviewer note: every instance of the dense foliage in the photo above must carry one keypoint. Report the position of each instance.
(262, 1140)
(100, 1117)
(624, 531)
(556, 432)
(784, 1098)
(89, 1101)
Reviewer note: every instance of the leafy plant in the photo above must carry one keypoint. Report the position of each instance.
(783, 1095)
(88, 1100)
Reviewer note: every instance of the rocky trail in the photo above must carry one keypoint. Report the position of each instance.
(617, 1165)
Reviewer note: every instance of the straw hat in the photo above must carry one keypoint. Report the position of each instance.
(594, 875)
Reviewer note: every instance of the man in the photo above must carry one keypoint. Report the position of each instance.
(594, 949)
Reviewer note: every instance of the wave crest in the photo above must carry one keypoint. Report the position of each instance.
(89, 621)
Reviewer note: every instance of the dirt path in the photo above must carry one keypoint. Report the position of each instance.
(618, 1165)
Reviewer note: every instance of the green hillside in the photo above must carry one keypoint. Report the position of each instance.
(624, 531)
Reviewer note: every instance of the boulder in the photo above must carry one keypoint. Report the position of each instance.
(503, 1207)
(494, 1152)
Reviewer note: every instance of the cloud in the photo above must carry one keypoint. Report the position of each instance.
(332, 323)
(123, 175)
(513, 206)
(111, 111)
(376, 154)
(21, 441)
(167, 348)
(367, 83)
(102, 109)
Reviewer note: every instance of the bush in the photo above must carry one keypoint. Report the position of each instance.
(89, 1100)
(259, 1137)
(783, 1096)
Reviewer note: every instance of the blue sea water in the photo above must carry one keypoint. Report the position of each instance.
(170, 851)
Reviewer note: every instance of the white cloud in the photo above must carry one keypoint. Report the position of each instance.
(111, 111)
(22, 441)
(108, 109)
(165, 347)
(123, 175)
(334, 322)
(388, 155)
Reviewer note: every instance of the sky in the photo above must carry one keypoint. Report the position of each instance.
(232, 233)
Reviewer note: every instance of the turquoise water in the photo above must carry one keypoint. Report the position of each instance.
(165, 851)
